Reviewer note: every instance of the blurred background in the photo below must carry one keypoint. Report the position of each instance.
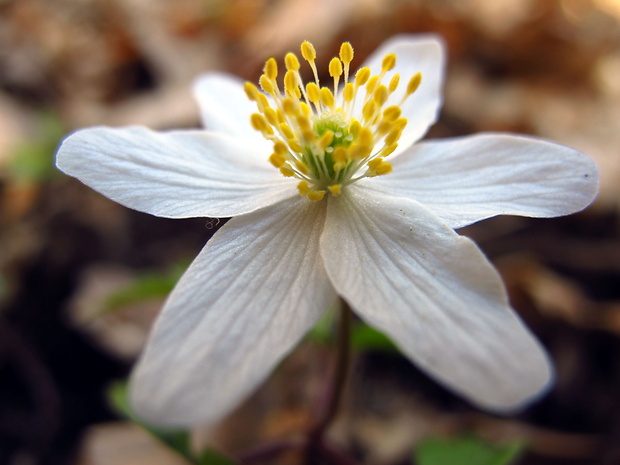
(81, 278)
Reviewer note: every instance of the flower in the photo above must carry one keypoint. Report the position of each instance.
(332, 218)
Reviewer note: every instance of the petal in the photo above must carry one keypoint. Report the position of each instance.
(177, 174)
(415, 54)
(435, 294)
(225, 108)
(251, 294)
(464, 180)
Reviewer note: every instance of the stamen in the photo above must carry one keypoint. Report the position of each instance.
(335, 189)
(271, 69)
(346, 56)
(291, 62)
(335, 71)
(309, 54)
(324, 140)
(266, 85)
(327, 98)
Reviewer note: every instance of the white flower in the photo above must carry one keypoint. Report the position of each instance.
(386, 244)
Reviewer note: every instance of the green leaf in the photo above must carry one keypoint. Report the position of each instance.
(323, 332)
(210, 457)
(467, 450)
(367, 338)
(153, 285)
(177, 440)
(33, 159)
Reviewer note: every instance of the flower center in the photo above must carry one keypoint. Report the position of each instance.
(329, 138)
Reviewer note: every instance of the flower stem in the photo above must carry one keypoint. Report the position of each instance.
(332, 396)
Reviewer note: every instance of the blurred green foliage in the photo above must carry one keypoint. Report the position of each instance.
(466, 450)
(177, 440)
(33, 160)
(155, 285)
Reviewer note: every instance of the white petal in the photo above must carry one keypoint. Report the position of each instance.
(414, 54)
(177, 174)
(468, 179)
(247, 299)
(435, 294)
(225, 108)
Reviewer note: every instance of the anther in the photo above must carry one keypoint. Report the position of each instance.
(335, 68)
(316, 195)
(313, 93)
(326, 140)
(291, 84)
(388, 63)
(260, 123)
(414, 83)
(394, 83)
(271, 68)
(266, 84)
(335, 189)
(277, 160)
(327, 98)
(381, 95)
(371, 84)
(362, 76)
(303, 188)
(291, 62)
(346, 56)
(308, 51)
(335, 71)
(250, 90)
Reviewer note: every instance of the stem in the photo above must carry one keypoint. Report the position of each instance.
(330, 401)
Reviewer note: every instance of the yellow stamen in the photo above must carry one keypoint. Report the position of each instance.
(251, 91)
(312, 90)
(291, 86)
(388, 63)
(326, 139)
(335, 189)
(362, 76)
(371, 84)
(316, 195)
(319, 135)
(277, 160)
(266, 85)
(309, 54)
(302, 167)
(280, 148)
(335, 71)
(327, 97)
(384, 168)
(291, 62)
(381, 95)
(308, 51)
(374, 164)
(346, 56)
(394, 83)
(271, 69)
(414, 83)
(260, 123)
(287, 172)
(303, 188)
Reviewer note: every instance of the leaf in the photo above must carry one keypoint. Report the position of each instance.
(177, 440)
(367, 338)
(210, 457)
(466, 450)
(147, 286)
(33, 159)
(323, 332)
